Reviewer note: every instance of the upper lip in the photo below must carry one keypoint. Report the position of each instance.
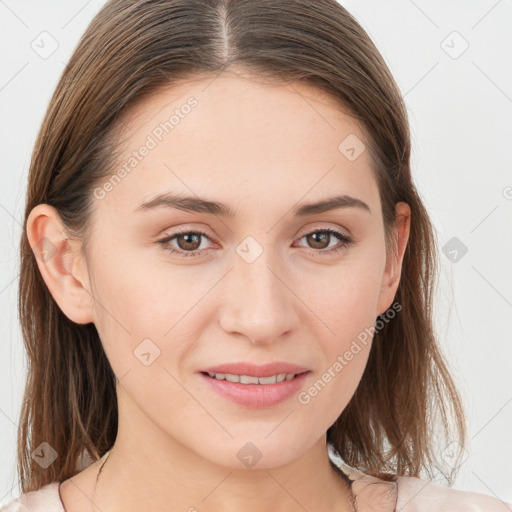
(254, 370)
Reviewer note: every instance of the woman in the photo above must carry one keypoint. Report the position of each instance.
(226, 274)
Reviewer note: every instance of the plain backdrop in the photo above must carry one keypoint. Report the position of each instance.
(452, 62)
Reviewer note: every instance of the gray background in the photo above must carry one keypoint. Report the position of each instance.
(460, 108)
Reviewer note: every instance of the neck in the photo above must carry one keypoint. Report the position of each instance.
(178, 479)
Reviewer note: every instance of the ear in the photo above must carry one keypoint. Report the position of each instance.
(61, 263)
(392, 272)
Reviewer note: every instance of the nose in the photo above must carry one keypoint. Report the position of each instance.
(258, 302)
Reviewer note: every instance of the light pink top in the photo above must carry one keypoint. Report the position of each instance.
(408, 494)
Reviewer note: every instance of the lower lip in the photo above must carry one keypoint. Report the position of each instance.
(257, 395)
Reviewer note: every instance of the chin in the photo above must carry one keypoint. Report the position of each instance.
(256, 452)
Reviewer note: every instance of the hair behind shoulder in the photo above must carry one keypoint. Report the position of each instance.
(70, 396)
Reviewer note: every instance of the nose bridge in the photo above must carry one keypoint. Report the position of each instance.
(258, 302)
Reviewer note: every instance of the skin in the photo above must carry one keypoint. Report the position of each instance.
(262, 149)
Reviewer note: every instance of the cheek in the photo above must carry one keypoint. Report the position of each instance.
(132, 306)
(331, 388)
(344, 297)
(141, 293)
(336, 381)
(147, 314)
(345, 303)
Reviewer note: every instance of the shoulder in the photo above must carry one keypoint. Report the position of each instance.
(411, 494)
(46, 499)
(415, 494)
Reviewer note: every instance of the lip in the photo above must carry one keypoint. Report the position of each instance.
(254, 370)
(256, 395)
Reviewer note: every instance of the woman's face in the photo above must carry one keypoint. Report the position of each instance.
(264, 285)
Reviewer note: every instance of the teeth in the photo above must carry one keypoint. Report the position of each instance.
(247, 379)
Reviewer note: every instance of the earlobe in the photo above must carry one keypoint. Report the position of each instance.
(391, 277)
(61, 263)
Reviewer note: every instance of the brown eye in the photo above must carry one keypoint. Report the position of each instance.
(188, 243)
(320, 239)
(191, 241)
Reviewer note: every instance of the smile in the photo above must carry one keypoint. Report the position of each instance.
(249, 379)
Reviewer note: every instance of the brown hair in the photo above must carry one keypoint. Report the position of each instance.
(133, 47)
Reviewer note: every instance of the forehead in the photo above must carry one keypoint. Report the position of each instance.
(234, 101)
(233, 135)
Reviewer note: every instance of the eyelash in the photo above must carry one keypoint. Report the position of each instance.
(344, 239)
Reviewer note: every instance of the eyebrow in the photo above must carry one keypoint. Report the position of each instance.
(197, 204)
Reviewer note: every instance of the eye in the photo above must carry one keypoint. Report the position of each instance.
(318, 237)
(192, 241)
(189, 242)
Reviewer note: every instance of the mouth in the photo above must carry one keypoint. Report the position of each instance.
(251, 379)
(252, 391)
